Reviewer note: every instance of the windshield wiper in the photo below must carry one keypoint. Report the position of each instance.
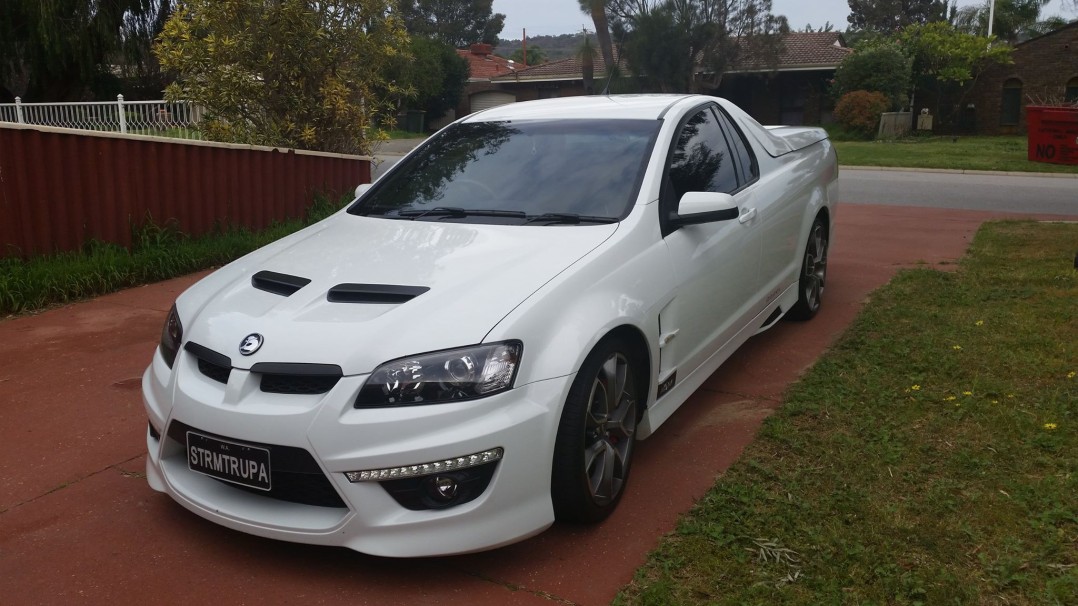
(568, 219)
(455, 212)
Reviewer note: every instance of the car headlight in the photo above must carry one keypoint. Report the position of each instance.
(171, 336)
(443, 376)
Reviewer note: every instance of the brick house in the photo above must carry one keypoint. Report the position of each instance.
(480, 92)
(563, 78)
(1045, 68)
(796, 90)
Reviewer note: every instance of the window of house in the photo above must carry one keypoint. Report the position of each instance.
(1071, 94)
(1011, 107)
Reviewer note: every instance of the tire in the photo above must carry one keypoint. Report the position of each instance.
(813, 274)
(596, 435)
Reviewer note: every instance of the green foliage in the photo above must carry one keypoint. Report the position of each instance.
(1014, 20)
(294, 73)
(457, 23)
(535, 55)
(158, 252)
(909, 466)
(859, 111)
(879, 66)
(437, 76)
(669, 71)
(65, 50)
(891, 15)
(665, 43)
(942, 53)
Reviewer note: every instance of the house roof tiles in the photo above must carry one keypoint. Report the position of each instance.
(804, 50)
(483, 64)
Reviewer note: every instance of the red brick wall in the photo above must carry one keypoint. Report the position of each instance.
(1043, 65)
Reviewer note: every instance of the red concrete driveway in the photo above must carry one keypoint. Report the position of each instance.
(79, 525)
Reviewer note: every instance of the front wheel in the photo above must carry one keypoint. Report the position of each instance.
(813, 273)
(594, 446)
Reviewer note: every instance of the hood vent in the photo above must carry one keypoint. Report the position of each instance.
(278, 284)
(374, 293)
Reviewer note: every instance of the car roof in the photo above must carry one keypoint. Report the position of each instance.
(620, 107)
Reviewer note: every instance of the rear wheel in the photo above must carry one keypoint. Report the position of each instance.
(594, 447)
(813, 273)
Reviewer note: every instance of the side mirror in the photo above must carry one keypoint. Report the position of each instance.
(362, 188)
(705, 207)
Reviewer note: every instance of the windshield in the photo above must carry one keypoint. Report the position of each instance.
(572, 171)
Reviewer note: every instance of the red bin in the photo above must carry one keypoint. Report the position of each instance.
(1053, 134)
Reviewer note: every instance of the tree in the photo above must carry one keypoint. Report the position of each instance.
(66, 50)
(667, 41)
(878, 65)
(535, 56)
(946, 60)
(296, 73)
(597, 10)
(458, 23)
(1014, 20)
(436, 74)
(893, 15)
(587, 63)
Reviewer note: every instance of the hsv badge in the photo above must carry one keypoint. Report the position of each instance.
(250, 343)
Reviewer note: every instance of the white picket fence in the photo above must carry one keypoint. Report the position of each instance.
(158, 118)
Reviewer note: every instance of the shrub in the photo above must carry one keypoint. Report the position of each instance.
(877, 66)
(860, 110)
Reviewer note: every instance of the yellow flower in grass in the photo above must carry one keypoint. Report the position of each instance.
(1050, 426)
(995, 401)
(950, 398)
(979, 322)
(967, 393)
(915, 388)
(956, 347)
(1070, 375)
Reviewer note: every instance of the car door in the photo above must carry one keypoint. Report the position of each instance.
(715, 264)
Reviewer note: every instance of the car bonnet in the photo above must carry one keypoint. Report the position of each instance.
(378, 289)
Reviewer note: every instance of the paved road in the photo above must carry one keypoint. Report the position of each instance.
(988, 192)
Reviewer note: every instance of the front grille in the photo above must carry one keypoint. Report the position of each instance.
(216, 366)
(297, 378)
(294, 474)
(213, 371)
(298, 384)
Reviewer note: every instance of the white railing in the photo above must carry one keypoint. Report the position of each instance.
(178, 119)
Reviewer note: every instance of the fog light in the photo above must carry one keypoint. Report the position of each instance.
(443, 488)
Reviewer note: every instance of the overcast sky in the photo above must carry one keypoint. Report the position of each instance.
(552, 17)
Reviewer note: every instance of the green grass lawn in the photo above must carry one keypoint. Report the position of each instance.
(931, 457)
(963, 153)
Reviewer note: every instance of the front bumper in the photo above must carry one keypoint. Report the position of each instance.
(515, 505)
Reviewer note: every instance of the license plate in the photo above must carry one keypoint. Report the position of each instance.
(229, 461)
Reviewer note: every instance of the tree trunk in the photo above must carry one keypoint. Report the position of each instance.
(602, 32)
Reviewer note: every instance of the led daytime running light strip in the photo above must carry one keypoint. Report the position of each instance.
(426, 469)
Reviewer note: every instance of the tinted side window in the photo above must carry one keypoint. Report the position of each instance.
(746, 161)
(701, 160)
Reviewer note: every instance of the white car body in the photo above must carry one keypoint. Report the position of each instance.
(688, 298)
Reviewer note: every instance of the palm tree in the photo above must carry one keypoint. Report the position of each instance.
(597, 10)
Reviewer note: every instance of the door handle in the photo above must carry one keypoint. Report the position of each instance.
(746, 216)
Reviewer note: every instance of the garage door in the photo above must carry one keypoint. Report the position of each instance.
(489, 99)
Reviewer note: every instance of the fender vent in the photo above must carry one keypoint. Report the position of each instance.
(374, 293)
(278, 284)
